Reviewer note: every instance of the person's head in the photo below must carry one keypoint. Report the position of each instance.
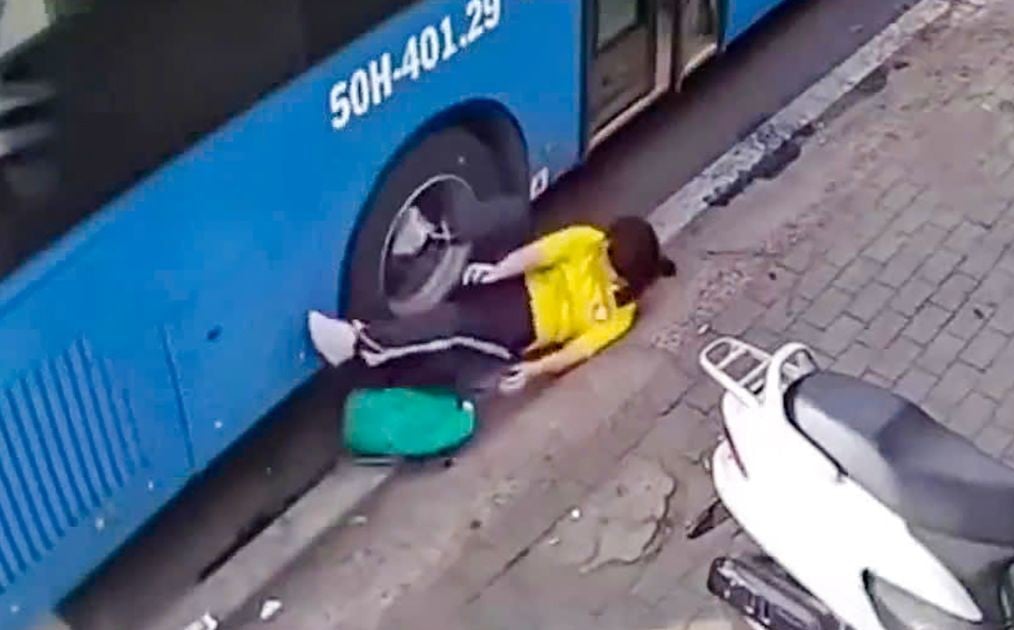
(636, 256)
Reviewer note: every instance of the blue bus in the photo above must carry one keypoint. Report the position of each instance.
(180, 180)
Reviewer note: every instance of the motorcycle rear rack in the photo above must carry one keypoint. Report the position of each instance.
(720, 356)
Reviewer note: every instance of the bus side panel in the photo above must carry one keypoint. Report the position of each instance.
(91, 435)
(173, 319)
(742, 14)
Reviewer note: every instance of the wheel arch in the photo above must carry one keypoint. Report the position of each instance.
(490, 121)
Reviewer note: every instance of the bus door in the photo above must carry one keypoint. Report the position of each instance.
(697, 34)
(631, 60)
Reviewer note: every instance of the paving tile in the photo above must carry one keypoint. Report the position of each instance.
(899, 196)
(870, 300)
(779, 315)
(839, 335)
(1003, 318)
(736, 318)
(986, 213)
(885, 246)
(843, 251)
(896, 359)
(971, 415)
(930, 236)
(1006, 262)
(703, 395)
(827, 307)
(914, 216)
(814, 282)
(857, 274)
(902, 265)
(982, 259)
(963, 238)
(968, 320)
(955, 384)
(764, 338)
(1004, 415)
(926, 323)
(940, 353)
(986, 345)
(994, 440)
(946, 218)
(939, 265)
(804, 332)
(994, 289)
(915, 384)
(912, 295)
(883, 329)
(854, 361)
(998, 379)
(953, 292)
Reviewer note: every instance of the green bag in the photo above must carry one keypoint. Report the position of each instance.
(406, 422)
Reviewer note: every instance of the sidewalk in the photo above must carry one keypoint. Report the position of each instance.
(886, 246)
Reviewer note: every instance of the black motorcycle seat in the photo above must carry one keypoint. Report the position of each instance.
(927, 474)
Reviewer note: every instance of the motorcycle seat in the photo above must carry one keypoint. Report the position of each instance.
(927, 474)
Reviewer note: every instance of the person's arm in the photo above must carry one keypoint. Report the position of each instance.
(517, 262)
(557, 362)
(580, 349)
(544, 252)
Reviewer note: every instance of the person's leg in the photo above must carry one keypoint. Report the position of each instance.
(334, 339)
(494, 320)
(469, 374)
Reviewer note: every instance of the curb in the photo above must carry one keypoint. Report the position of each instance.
(733, 170)
(332, 499)
(322, 508)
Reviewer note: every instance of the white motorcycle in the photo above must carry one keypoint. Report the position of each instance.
(874, 516)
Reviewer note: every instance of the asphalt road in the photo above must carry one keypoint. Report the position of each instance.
(630, 174)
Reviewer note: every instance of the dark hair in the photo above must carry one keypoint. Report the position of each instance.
(636, 255)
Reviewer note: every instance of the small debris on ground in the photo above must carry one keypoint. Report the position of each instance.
(554, 541)
(270, 608)
(206, 622)
(575, 514)
(703, 329)
(359, 520)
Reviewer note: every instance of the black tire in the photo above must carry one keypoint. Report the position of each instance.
(454, 152)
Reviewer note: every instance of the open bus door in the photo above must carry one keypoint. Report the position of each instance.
(638, 50)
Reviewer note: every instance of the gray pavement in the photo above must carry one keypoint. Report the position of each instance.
(887, 246)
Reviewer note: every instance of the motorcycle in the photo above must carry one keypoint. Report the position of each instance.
(872, 515)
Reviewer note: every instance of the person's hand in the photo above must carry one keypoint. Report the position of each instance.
(517, 378)
(477, 273)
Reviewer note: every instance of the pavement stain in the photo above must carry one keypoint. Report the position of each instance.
(623, 522)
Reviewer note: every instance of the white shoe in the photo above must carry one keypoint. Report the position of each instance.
(334, 339)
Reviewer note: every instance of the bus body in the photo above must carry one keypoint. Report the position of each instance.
(189, 204)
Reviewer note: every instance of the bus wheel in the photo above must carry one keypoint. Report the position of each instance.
(406, 256)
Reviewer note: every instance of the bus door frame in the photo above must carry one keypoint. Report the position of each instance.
(662, 17)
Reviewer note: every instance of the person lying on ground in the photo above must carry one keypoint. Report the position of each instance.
(543, 309)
